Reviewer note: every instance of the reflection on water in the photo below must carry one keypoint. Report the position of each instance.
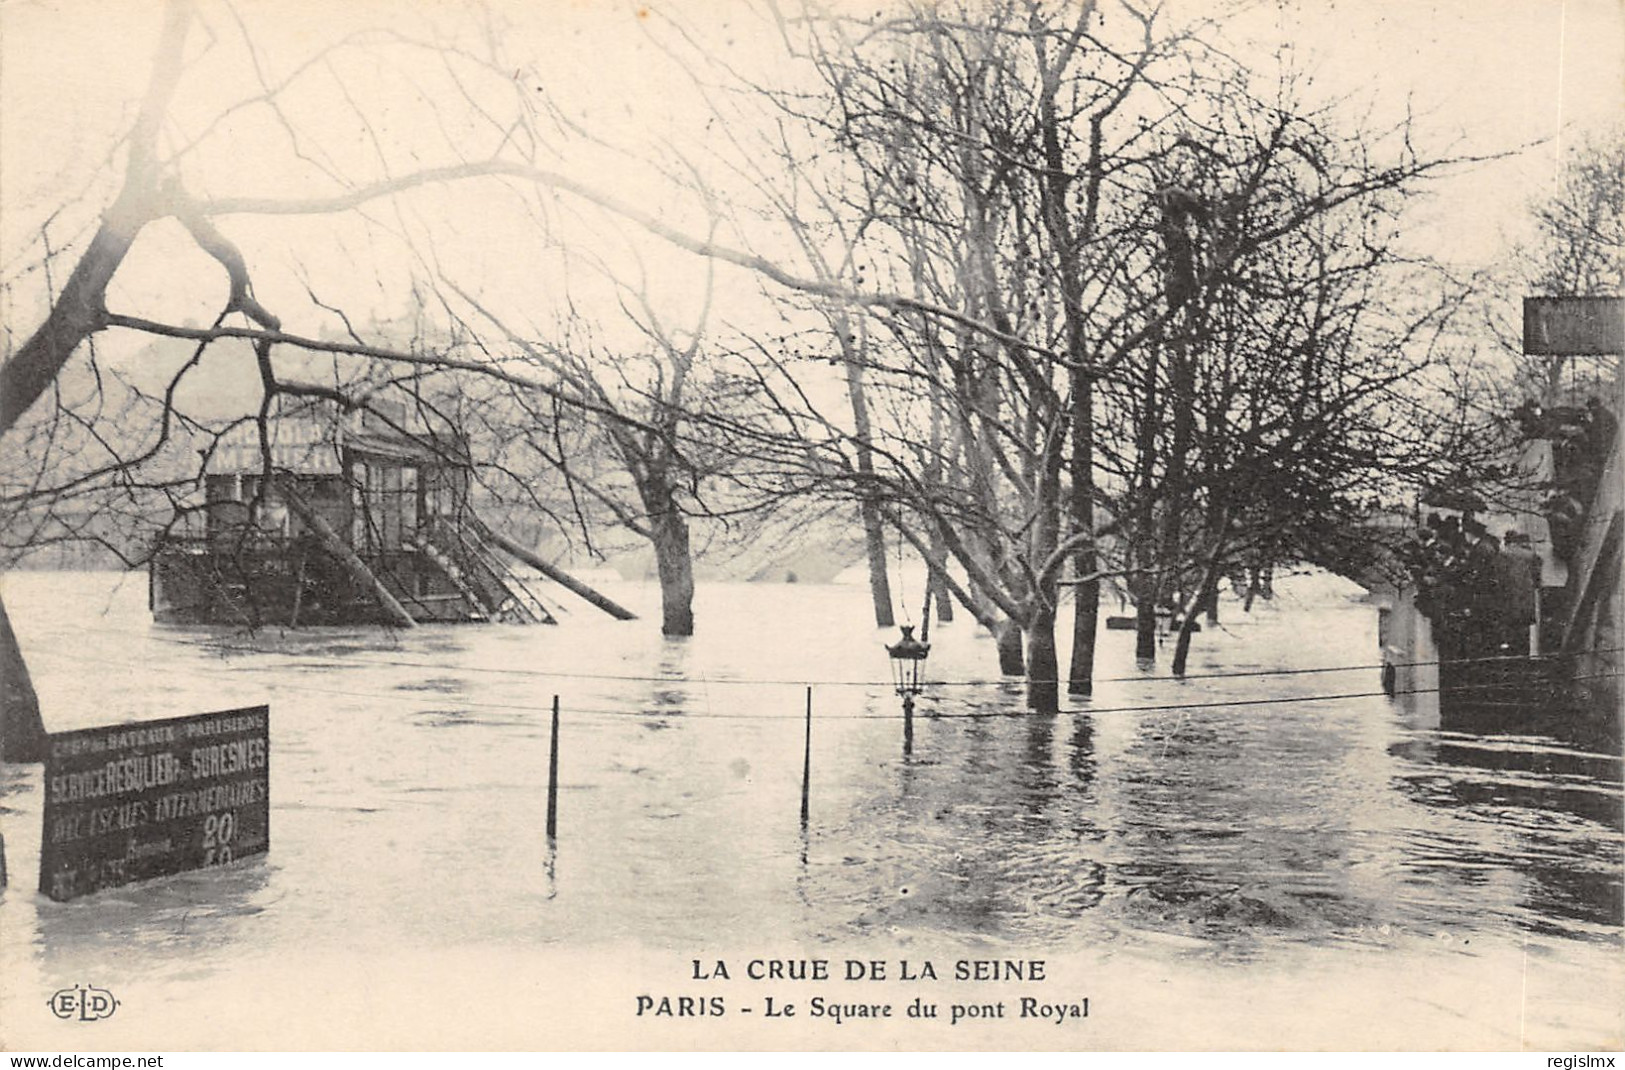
(408, 789)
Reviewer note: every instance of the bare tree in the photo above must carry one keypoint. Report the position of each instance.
(1026, 220)
(1089, 178)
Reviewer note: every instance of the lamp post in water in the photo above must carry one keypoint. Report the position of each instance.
(908, 656)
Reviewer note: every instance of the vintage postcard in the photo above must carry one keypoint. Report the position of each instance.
(779, 525)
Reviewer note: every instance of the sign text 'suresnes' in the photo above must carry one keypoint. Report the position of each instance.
(130, 802)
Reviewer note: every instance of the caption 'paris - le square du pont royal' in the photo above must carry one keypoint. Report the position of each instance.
(860, 970)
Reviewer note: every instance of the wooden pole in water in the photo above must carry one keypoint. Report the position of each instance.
(553, 776)
(806, 763)
(562, 578)
(329, 540)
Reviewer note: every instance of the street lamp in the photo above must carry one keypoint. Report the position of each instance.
(908, 656)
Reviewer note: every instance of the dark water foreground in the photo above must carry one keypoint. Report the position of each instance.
(1232, 860)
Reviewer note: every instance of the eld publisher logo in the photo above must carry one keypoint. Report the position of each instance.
(84, 1003)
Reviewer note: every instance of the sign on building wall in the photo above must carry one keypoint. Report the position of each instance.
(130, 802)
(1574, 326)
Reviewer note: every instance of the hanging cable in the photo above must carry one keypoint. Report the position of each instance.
(1492, 686)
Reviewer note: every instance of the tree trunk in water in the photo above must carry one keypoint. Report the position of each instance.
(874, 541)
(1086, 595)
(939, 582)
(1145, 628)
(676, 566)
(1043, 667)
(1055, 195)
(22, 732)
(874, 538)
(1187, 622)
(1085, 623)
(1180, 283)
(1218, 513)
(1182, 646)
(1145, 586)
(1008, 636)
(945, 603)
(668, 532)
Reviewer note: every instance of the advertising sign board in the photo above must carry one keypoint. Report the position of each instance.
(130, 802)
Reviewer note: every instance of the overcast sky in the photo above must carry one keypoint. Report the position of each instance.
(1500, 74)
(1523, 77)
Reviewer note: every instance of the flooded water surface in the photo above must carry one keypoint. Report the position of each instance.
(1257, 855)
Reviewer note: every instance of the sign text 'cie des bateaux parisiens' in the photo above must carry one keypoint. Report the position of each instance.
(129, 802)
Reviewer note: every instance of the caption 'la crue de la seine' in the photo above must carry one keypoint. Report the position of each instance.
(846, 1009)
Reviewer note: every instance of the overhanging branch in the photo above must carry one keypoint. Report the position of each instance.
(706, 247)
(267, 337)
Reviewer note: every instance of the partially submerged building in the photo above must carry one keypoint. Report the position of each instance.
(335, 518)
